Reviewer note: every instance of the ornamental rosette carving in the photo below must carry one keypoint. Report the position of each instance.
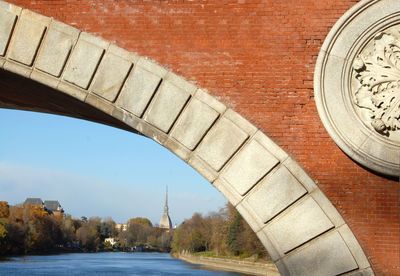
(377, 71)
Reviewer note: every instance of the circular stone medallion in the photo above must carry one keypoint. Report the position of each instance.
(357, 84)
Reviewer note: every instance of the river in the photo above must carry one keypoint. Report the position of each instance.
(110, 263)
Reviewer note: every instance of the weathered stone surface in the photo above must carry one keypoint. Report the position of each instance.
(273, 148)
(110, 76)
(328, 208)
(72, 90)
(274, 254)
(317, 258)
(221, 142)
(249, 166)
(166, 106)
(152, 67)
(226, 189)
(26, 41)
(300, 174)
(56, 48)
(100, 103)
(7, 21)
(138, 90)
(275, 193)
(250, 216)
(354, 247)
(18, 68)
(177, 148)
(301, 223)
(241, 122)
(196, 119)
(84, 60)
(203, 168)
(181, 82)
(210, 101)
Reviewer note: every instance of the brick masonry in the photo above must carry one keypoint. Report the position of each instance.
(258, 58)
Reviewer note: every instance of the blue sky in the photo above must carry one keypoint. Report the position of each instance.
(96, 170)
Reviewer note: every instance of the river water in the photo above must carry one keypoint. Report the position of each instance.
(110, 263)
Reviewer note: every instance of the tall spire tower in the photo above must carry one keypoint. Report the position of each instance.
(165, 221)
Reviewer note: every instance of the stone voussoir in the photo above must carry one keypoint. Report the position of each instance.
(322, 251)
(25, 42)
(112, 72)
(225, 137)
(297, 225)
(53, 55)
(8, 17)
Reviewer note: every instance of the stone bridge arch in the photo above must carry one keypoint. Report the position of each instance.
(74, 73)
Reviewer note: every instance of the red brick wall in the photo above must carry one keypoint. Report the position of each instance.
(257, 57)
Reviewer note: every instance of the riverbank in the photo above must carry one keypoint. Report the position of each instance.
(246, 267)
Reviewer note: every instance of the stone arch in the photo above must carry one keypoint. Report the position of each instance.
(300, 228)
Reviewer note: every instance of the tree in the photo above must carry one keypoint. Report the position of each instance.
(4, 209)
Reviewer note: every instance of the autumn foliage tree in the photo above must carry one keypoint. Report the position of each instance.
(221, 233)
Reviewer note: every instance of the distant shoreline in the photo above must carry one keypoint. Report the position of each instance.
(246, 267)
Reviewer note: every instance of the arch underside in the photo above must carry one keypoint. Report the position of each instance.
(50, 67)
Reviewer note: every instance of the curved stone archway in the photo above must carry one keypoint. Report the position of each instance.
(302, 231)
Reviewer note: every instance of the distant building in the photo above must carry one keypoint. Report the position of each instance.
(112, 241)
(53, 207)
(34, 201)
(121, 227)
(165, 221)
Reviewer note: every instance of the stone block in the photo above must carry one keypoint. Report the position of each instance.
(273, 253)
(274, 193)
(100, 103)
(250, 216)
(300, 174)
(193, 124)
(180, 82)
(178, 149)
(26, 40)
(149, 130)
(299, 224)
(221, 142)
(44, 78)
(212, 102)
(203, 168)
(247, 167)
(56, 48)
(327, 255)
(72, 90)
(225, 189)
(166, 106)
(354, 246)
(138, 90)
(84, 60)
(152, 67)
(17, 68)
(273, 148)
(7, 22)
(328, 208)
(283, 271)
(241, 122)
(5, 6)
(110, 76)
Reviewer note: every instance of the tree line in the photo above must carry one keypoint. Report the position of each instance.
(222, 233)
(26, 229)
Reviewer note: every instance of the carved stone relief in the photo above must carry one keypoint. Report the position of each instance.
(376, 83)
(357, 85)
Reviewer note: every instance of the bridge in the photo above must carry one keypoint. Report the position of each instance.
(270, 101)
